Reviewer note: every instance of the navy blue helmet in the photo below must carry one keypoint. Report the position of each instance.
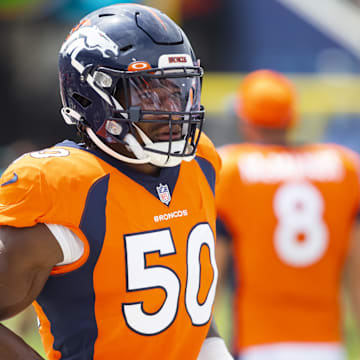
(115, 68)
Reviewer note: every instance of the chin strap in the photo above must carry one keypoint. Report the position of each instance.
(146, 157)
(101, 145)
(144, 154)
(164, 160)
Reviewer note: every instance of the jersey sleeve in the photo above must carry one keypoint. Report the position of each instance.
(23, 195)
(352, 164)
(224, 190)
(50, 186)
(206, 150)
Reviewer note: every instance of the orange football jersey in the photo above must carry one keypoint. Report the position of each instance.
(289, 212)
(145, 285)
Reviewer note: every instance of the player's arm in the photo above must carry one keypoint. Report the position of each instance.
(12, 347)
(27, 256)
(352, 274)
(223, 255)
(214, 347)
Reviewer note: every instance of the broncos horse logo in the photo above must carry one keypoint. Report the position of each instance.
(89, 38)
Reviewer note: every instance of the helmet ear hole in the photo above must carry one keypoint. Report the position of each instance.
(126, 48)
(83, 101)
(103, 15)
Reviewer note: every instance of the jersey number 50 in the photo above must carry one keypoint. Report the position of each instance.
(142, 277)
(301, 236)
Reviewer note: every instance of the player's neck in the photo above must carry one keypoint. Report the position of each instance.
(147, 169)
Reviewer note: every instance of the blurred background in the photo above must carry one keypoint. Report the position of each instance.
(315, 43)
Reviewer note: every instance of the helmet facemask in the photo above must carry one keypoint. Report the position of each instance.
(169, 98)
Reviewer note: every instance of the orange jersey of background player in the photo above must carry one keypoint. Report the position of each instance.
(145, 285)
(289, 212)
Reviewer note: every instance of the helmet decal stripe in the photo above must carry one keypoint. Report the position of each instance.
(154, 14)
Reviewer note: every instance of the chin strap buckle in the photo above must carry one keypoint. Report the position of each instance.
(71, 116)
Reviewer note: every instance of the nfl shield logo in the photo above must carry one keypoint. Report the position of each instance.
(164, 193)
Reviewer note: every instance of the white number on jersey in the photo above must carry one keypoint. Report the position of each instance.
(142, 277)
(58, 152)
(301, 236)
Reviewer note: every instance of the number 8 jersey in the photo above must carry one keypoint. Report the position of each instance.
(145, 285)
(289, 213)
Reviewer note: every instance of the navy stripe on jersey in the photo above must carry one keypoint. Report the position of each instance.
(208, 171)
(68, 299)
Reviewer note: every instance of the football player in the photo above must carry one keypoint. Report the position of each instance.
(287, 213)
(112, 239)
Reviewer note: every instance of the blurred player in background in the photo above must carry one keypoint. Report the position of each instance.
(113, 238)
(285, 214)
